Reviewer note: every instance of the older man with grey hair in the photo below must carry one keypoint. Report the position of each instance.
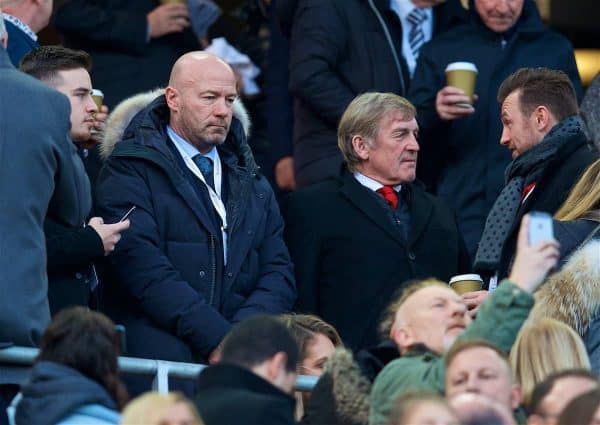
(41, 175)
(357, 239)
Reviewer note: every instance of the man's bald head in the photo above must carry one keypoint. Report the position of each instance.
(200, 97)
(189, 67)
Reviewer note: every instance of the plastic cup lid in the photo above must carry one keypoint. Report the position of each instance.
(464, 66)
(466, 277)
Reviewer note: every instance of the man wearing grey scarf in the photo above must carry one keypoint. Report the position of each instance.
(543, 131)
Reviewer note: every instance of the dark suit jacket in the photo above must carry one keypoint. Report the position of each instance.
(41, 176)
(231, 395)
(19, 43)
(350, 258)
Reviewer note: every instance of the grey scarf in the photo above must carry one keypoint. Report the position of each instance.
(522, 171)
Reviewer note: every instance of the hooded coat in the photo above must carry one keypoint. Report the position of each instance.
(462, 160)
(167, 281)
(59, 395)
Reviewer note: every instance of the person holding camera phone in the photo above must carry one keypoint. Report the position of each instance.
(73, 248)
(543, 132)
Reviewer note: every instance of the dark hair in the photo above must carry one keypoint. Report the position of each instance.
(465, 345)
(45, 62)
(87, 342)
(581, 409)
(542, 389)
(256, 340)
(541, 86)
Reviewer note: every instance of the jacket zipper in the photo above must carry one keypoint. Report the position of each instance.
(213, 270)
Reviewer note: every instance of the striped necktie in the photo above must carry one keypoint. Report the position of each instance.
(416, 36)
(205, 165)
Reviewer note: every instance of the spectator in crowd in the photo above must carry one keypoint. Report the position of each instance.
(23, 20)
(430, 317)
(578, 219)
(374, 223)
(72, 247)
(461, 159)
(422, 409)
(573, 296)
(584, 410)
(544, 347)
(75, 379)
(590, 112)
(480, 409)
(205, 247)
(255, 378)
(480, 367)
(133, 44)
(341, 395)
(550, 397)
(341, 48)
(161, 409)
(317, 341)
(41, 176)
(544, 134)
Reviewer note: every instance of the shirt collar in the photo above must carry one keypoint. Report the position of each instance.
(404, 7)
(188, 148)
(369, 183)
(21, 25)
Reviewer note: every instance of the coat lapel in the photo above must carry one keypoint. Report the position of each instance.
(360, 197)
(420, 214)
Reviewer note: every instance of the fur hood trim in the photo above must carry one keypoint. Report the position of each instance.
(351, 388)
(123, 113)
(573, 294)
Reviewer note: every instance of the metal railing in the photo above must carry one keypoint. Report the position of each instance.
(162, 370)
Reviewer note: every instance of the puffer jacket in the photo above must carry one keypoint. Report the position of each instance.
(167, 281)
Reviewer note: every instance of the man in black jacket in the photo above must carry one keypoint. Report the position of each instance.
(544, 135)
(461, 160)
(340, 49)
(357, 239)
(71, 249)
(253, 382)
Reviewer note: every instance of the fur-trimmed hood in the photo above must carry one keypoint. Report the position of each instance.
(341, 397)
(573, 294)
(121, 116)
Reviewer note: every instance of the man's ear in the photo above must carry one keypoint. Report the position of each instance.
(515, 396)
(402, 336)
(543, 119)
(275, 365)
(361, 146)
(172, 97)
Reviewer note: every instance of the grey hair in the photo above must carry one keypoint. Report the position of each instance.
(363, 117)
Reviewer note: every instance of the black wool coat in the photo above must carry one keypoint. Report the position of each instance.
(350, 258)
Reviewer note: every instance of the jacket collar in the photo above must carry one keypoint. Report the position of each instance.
(4, 59)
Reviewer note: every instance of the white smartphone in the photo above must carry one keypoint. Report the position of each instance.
(540, 227)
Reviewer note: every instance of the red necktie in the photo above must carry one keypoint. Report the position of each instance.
(390, 195)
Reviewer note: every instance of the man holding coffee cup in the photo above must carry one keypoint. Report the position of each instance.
(72, 249)
(461, 160)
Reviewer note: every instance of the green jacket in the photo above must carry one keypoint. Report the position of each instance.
(498, 322)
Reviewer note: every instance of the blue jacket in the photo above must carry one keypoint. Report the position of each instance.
(19, 43)
(166, 279)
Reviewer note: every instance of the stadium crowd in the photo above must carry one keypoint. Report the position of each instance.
(431, 254)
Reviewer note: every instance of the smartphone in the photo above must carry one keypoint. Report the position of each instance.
(540, 227)
(127, 214)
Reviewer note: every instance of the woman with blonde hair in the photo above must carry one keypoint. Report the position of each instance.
(161, 409)
(544, 347)
(578, 219)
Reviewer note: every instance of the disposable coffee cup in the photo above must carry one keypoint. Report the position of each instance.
(466, 283)
(462, 75)
(98, 97)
